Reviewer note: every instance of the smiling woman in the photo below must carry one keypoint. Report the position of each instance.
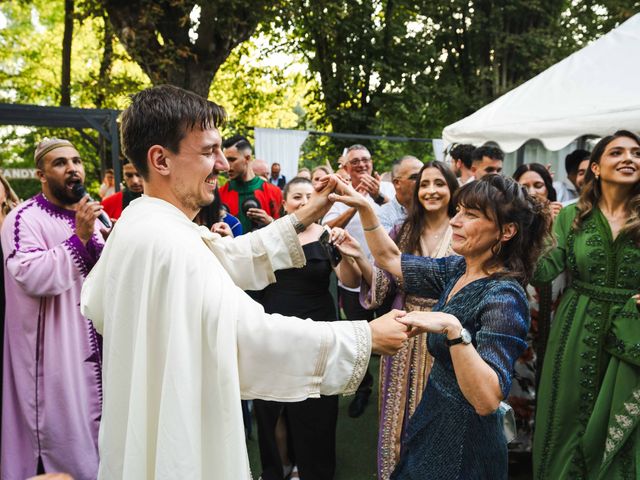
(426, 231)
(477, 328)
(589, 396)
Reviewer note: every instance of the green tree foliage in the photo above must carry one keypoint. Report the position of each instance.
(184, 43)
(411, 67)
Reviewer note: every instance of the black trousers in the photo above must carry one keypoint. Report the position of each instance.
(311, 437)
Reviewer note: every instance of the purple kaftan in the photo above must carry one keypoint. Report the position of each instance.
(52, 361)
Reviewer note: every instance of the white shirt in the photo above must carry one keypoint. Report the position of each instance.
(182, 344)
(565, 191)
(392, 213)
(354, 227)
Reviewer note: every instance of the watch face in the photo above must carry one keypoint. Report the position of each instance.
(465, 336)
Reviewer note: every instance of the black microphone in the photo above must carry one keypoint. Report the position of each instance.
(80, 192)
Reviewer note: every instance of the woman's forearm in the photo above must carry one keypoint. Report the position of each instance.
(366, 269)
(348, 272)
(382, 247)
(477, 380)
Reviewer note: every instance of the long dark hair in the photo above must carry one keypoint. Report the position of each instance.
(543, 172)
(416, 221)
(505, 201)
(592, 191)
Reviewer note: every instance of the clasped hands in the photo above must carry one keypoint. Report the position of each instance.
(390, 331)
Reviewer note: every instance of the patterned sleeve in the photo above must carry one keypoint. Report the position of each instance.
(504, 323)
(427, 276)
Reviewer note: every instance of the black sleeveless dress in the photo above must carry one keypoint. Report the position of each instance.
(311, 424)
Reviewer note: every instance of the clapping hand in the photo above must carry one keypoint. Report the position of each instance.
(370, 184)
(259, 216)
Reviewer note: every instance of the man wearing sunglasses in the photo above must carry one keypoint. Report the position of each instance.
(404, 173)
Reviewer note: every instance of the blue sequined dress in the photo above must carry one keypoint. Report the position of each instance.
(446, 438)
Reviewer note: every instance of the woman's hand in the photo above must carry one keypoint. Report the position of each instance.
(222, 229)
(431, 322)
(346, 194)
(555, 208)
(347, 245)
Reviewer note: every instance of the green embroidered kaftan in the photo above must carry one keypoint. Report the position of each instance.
(589, 398)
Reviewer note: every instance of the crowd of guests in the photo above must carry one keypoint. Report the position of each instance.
(521, 293)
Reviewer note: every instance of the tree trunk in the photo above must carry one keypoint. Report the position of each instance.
(67, 39)
(105, 62)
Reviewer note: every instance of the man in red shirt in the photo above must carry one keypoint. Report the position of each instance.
(250, 198)
(134, 186)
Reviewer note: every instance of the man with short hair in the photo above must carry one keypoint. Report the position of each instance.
(461, 162)
(359, 166)
(133, 188)
(261, 169)
(254, 201)
(582, 171)
(567, 189)
(276, 178)
(52, 371)
(486, 159)
(108, 186)
(182, 342)
(404, 174)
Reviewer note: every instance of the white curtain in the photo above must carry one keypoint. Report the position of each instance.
(438, 148)
(281, 146)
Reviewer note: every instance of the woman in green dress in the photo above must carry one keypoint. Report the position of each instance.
(589, 397)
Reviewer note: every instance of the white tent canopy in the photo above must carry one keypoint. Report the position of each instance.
(594, 91)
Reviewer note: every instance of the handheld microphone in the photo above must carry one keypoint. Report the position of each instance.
(80, 192)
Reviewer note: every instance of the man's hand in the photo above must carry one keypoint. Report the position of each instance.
(222, 229)
(259, 216)
(86, 214)
(370, 184)
(388, 334)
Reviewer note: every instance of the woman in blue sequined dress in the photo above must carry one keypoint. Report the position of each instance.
(476, 331)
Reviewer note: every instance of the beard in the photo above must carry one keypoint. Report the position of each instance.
(61, 193)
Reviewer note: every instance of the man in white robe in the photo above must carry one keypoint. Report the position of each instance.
(182, 343)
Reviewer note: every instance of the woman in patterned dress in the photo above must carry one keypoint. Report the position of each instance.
(589, 397)
(403, 376)
(477, 329)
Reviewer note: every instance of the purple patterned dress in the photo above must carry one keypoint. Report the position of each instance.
(52, 361)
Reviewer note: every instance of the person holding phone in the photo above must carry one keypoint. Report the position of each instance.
(308, 428)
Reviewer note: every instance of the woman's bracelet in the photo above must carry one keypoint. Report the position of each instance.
(370, 229)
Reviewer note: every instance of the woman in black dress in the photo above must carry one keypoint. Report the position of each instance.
(310, 424)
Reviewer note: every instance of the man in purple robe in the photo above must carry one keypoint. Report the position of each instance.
(52, 360)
